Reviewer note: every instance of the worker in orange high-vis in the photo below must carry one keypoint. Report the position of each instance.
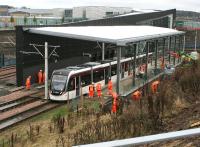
(43, 77)
(154, 86)
(136, 95)
(28, 83)
(114, 106)
(40, 77)
(91, 91)
(98, 88)
(110, 86)
(114, 95)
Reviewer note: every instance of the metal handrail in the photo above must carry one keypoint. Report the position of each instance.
(146, 139)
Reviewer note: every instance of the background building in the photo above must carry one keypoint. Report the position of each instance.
(4, 10)
(97, 12)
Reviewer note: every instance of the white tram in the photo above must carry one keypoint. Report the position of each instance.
(66, 83)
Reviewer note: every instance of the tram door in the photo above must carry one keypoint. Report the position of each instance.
(107, 75)
(78, 86)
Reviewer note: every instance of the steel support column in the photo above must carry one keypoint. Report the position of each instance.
(134, 63)
(174, 60)
(103, 51)
(156, 54)
(147, 58)
(183, 43)
(179, 47)
(163, 51)
(118, 69)
(46, 70)
(169, 48)
(195, 44)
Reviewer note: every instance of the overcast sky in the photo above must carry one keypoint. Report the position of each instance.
(193, 5)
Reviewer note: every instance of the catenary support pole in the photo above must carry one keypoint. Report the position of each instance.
(147, 58)
(118, 69)
(163, 51)
(156, 54)
(183, 43)
(195, 45)
(134, 63)
(179, 47)
(174, 59)
(169, 48)
(46, 70)
(103, 51)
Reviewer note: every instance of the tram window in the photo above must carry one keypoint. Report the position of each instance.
(86, 79)
(113, 70)
(98, 76)
(71, 84)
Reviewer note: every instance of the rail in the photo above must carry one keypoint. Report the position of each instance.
(146, 139)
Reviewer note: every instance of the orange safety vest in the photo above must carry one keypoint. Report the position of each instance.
(40, 77)
(28, 83)
(114, 106)
(114, 95)
(91, 91)
(98, 87)
(154, 86)
(110, 85)
(91, 88)
(136, 95)
(99, 90)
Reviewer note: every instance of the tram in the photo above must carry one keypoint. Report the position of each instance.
(70, 82)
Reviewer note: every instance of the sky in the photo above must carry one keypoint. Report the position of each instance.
(191, 5)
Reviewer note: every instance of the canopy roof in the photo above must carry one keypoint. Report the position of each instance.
(119, 35)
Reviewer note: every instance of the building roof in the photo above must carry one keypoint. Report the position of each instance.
(138, 11)
(119, 35)
(31, 11)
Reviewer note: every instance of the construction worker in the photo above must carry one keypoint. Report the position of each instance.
(40, 77)
(91, 91)
(43, 77)
(114, 95)
(110, 86)
(154, 86)
(98, 88)
(114, 106)
(136, 95)
(28, 83)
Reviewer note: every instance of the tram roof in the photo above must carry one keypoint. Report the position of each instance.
(119, 35)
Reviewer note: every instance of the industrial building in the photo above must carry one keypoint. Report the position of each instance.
(97, 12)
(74, 51)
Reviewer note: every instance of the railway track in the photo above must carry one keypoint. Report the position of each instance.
(19, 106)
(7, 68)
(7, 73)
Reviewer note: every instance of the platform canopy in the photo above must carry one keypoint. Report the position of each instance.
(119, 35)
